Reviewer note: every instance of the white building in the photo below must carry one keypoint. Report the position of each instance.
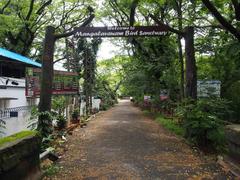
(15, 107)
(16, 101)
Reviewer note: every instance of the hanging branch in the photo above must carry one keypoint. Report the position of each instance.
(67, 34)
(5, 6)
(228, 26)
(133, 12)
(167, 26)
(236, 5)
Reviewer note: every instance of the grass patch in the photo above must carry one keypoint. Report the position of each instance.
(147, 113)
(51, 170)
(17, 136)
(171, 125)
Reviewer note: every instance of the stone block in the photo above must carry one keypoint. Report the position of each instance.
(233, 139)
(20, 159)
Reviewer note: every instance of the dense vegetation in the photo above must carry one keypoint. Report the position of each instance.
(156, 66)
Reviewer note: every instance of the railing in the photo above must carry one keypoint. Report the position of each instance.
(13, 112)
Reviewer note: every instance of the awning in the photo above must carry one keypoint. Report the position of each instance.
(17, 57)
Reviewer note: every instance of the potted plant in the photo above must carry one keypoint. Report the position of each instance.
(75, 115)
(61, 122)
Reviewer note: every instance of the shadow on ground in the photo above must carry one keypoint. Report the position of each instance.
(122, 143)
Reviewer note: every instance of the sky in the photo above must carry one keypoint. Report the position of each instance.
(107, 50)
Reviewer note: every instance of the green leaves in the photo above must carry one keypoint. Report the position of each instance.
(203, 125)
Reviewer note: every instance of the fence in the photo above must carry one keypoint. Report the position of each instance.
(15, 120)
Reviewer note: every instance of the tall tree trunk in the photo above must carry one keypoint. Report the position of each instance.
(47, 70)
(86, 81)
(191, 69)
(44, 120)
(180, 52)
(67, 55)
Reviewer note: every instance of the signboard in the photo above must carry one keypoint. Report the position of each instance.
(147, 98)
(65, 83)
(164, 95)
(208, 88)
(125, 31)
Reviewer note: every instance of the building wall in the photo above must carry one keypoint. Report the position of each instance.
(19, 94)
(20, 102)
(16, 124)
(95, 105)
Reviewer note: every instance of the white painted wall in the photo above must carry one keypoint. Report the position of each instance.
(16, 124)
(20, 123)
(95, 105)
(18, 92)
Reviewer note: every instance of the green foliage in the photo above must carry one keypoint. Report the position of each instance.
(204, 130)
(16, 136)
(46, 141)
(51, 170)
(87, 57)
(59, 103)
(75, 114)
(171, 124)
(41, 120)
(23, 22)
(203, 125)
(45, 123)
(33, 120)
(233, 95)
(108, 81)
(61, 122)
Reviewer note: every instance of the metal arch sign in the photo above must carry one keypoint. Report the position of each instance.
(125, 31)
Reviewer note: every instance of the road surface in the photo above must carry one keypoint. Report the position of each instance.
(122, 143)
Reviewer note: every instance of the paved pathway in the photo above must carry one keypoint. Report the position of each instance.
(123, 144)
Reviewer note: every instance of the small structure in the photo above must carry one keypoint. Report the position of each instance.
(15, 106)
(233, 140)
(19, 156)
(20, 91)
(65, 83)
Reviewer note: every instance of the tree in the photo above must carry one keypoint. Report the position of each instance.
(21, 21)
(47, 68)
(125, 13)
(87, 53)
(223, 21)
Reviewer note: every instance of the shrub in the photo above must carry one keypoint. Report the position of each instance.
(59, 103)
(170, 124)
(45, 126)
(75, 113)
(203, 125)
(204, 130)
(61, 122)
(233, 95)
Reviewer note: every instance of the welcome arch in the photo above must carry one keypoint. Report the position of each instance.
(113, 31)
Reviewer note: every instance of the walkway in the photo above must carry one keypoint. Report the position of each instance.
(123, 144)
